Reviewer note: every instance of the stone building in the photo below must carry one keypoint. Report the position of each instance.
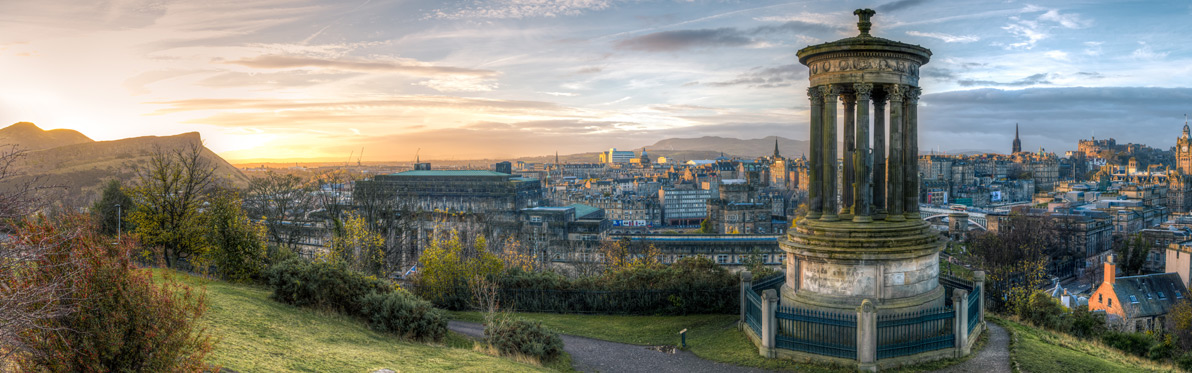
(469, 191)
(1017, 146)
(683, 204)
(739, 209)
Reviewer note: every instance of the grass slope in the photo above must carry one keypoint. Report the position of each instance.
(257, 334)
(712, 337)
(1038, 350)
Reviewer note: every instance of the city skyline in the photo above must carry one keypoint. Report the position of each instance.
(461, 80)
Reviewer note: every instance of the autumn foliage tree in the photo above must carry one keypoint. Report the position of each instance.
(169, 191)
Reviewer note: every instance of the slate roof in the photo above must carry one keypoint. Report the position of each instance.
(1152, 294)
(450, 173)
(583, 211)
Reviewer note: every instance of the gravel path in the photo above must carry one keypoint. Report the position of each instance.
(995, 357)
(593, 355)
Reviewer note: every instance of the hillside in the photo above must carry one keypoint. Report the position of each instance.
(77, 170)
(30, 137)
(746, 148)
(257, 334)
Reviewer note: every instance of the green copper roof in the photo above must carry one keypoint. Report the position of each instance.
(583, 210)
(450, 173)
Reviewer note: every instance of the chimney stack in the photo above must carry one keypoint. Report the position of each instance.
(1110, 270)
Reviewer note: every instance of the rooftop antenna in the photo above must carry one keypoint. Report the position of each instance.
(416, 155)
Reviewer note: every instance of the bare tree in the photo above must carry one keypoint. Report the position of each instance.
(35, 272)
(283, 203)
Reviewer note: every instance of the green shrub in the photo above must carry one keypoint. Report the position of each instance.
(1163, 350)
(1185, 361)
(1046, 312)
(1087, 324)
(405, 315)
(1138, 344)
(530, 338)
(324, 285)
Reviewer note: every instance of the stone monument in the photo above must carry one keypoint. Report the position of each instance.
(864, 238)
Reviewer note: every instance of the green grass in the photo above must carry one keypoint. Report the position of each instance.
(256, 334)
(1038, 350)
(712, 337)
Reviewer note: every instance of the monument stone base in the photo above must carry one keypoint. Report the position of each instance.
(833, 266)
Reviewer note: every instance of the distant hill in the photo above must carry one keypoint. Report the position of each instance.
(77, 169)
(749, 148)
(29, 137)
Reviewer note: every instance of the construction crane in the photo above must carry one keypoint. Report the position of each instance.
(360, 156)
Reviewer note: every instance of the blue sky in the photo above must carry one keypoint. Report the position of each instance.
(505, 78)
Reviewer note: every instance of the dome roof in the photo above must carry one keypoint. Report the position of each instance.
(865, 43)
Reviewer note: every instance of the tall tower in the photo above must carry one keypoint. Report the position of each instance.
(1183, 157)
(874, 245)
(1017, 143)
(776, 155)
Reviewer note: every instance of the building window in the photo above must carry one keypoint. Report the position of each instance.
(1162, 296)
(535, 219)
(1099, 300)
(722, 259)
(1133, 300)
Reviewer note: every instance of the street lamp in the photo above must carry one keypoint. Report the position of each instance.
(119, 221)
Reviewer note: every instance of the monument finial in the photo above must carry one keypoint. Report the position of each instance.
(863, 24)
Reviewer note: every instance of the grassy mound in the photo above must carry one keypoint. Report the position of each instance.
(257, 334)
(1038, 350)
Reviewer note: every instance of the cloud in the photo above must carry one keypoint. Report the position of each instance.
(669, 41)
(1053, 118)
(434, 102)
(1145, 52)
(1093, 48)
(947, 38)
(459, 85)
(407, 67)
(589, 70)
(518, 9)
(1036, 79)
(768, 77)
(1031, 31)
(894, 6)
(561, 94)
(1057, 55)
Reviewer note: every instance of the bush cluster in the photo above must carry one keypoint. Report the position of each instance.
(404, 314)
(324, 285)
(692, 285)
(529, 338)
(1045, 312)
(332, 286)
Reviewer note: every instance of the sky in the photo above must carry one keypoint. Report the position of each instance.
(322, 80)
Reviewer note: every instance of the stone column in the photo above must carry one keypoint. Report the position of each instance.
(829, 192)
(867, 336)
(815, 203)
(960, 321)
(879, 153)
(979, 282)
(850, 146)
(895, 164)
(746, 282)
(863, 204)
(911, 139)
(769, 322)
(792, 267)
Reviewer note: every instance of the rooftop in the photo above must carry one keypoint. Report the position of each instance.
(450, 173)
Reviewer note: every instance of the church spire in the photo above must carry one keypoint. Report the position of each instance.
(776, 155)
(1017, 147)
(1185, 126)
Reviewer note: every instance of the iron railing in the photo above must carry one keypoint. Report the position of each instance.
(817, 332)
(753, 312)
(769, 282)
(974, 309)
(910, 333)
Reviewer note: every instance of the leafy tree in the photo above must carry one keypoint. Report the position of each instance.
(170, 190)
(446, 267)
(1133, 253)
(106, 212)
(282, 202)
(236, 242)
(356, 245)
(705, 226)
(1179, 322)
